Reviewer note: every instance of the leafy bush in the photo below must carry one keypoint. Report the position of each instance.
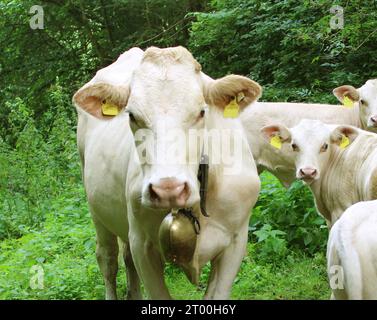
(288, 43)
(273, 242)
(36, 168)
(288, 215)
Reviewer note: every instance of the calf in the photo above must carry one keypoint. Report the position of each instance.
(352, 253)
(339, 163)
(140, 175)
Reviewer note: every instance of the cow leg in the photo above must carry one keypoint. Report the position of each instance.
(212, 280)
(227, 265)
(107, 258)
(149, 266)
(133, 281)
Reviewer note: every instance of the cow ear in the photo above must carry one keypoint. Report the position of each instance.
(222, 91)
(343, 136)
(102, 100)
(346, 91)
(276, 130)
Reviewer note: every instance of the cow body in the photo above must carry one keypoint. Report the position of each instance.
(349, 176)
(129, 199)
(352, 253)
(288, 114)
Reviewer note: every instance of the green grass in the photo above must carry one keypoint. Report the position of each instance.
(298, 277)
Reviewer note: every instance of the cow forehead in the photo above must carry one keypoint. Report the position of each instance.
(309, 132)
(168, 81)
(369, 89)
(372, 83)
(158, 78)
(167, 91)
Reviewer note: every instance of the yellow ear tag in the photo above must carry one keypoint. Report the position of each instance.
(276, 142)
(347, 102)
(232, 109)
(345, 142)
(109, 109)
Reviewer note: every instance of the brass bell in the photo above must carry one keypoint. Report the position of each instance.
(178, 235)
(177, 238)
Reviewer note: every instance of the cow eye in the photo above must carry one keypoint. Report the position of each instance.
(132, 117)
(363, 102)
(324, 147)
(133, 120)
(294, 147)
(202, 113)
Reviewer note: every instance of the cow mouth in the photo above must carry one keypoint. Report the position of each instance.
(307, 180)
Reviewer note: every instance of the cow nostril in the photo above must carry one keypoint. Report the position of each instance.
(169, 191)
(154, 196)
(373, 119)
(185, 192)
(307, 172)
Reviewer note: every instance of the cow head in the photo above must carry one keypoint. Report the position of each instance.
(309, 145)
(166, 99)
(365, 98)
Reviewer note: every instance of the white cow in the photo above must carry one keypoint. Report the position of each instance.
(287, 114)
(339, 163)
(133, 179)
(352, 253)
(363, 100)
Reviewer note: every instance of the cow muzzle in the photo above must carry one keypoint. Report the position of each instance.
(307, 174)
(169, 193)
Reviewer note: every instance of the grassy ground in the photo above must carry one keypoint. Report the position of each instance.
(65, 247)
(298, 277)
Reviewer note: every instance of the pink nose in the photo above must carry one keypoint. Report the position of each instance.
(374, 120)
(169, 193)
(307, 173)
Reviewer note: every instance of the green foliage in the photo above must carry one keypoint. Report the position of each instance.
(273, 242)
(287, 217)
(64, 248)
(78, 38)
(288, 43)
(36, 169)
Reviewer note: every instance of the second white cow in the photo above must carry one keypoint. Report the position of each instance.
(339, 163)
(287, 114)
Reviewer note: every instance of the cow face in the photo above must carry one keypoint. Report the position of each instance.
(309, 145)
(166, 102)
(365, 98)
